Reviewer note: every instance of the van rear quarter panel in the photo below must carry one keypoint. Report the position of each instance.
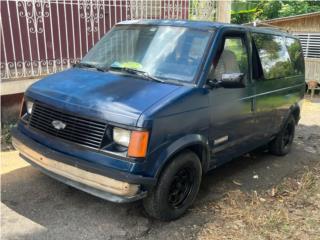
(277, 96)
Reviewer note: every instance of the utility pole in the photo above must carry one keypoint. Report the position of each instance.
(223, 11)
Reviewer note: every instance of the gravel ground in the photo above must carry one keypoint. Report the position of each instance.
(34, 206)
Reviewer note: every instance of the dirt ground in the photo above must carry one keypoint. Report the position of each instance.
(257, 196)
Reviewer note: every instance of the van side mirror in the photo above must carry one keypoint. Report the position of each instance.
(228, 80)
(232, 80)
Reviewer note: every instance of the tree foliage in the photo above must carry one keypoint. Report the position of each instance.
(249, 11)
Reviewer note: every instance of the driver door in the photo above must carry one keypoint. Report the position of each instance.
(232, 109)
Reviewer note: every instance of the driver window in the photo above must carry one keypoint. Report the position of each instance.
(233, 59)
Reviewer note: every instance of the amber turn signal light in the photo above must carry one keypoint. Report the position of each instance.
(138, 144)
(22, 107)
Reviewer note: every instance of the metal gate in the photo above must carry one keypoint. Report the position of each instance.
(39, 37)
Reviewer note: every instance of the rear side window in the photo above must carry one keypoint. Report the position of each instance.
(296, 55)
(274, 57)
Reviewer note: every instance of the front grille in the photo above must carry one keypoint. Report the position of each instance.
(79, 130)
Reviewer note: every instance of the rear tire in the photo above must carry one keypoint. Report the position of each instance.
(281, 145)
(177, 188)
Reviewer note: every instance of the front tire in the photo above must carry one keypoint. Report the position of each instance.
(281, 145)
(177, 188)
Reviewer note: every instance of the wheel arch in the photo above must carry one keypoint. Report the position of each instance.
(295, 111)
(195, 143)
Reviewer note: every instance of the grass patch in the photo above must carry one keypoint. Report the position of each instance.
(290, 210)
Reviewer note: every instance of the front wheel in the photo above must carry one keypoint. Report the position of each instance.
(177, 188)
(281, 145)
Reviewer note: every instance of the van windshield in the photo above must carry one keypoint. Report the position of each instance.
(163, 52)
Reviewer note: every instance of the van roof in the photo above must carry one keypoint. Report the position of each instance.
(204, 25)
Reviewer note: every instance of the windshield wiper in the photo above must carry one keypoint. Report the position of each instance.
(138, 72)
(89, 65)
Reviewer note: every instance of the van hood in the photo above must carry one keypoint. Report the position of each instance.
(101, 95)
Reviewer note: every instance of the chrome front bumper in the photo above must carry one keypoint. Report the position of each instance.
(90, 182)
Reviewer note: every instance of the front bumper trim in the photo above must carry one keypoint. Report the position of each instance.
(93, 191)
(99, 185)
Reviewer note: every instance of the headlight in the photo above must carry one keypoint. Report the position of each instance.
(135, 141)
(29, 106)
(26, 109)
(121, 136)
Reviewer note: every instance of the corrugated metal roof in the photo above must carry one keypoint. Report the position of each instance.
(292, 17)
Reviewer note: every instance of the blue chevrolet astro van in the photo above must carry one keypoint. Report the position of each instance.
(155, 104)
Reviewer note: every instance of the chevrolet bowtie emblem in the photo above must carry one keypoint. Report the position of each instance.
(58, 124)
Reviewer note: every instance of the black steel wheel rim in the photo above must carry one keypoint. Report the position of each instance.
(180, 187)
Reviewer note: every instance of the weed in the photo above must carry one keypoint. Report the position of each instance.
(6, 136)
